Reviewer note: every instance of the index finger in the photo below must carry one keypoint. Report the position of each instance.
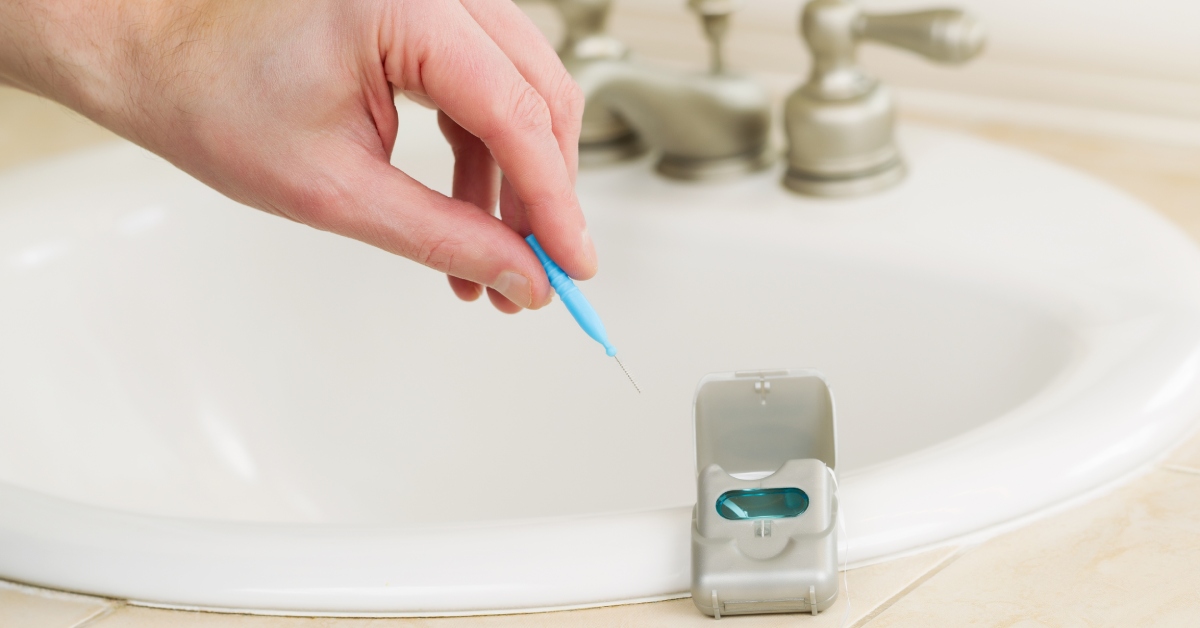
(471, 80)
(537, 61)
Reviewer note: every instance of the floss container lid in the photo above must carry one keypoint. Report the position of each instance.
(751, 422)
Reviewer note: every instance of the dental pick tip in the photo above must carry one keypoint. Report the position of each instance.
(635, 386)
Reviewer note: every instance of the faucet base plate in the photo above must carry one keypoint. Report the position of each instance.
(623, 148)
(715, 169)
(873, 180)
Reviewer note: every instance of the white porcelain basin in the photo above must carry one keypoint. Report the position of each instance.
(202, 405)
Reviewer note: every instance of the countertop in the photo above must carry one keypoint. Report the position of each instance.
(1130, 557)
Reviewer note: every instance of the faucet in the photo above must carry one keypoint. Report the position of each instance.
(839, 124)
(704, 126)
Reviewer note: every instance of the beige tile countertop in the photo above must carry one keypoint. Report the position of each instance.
(1129, 558)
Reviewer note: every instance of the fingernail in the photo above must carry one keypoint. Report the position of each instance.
(516, 287)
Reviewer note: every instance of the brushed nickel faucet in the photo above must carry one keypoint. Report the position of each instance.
(704, 126)
(839, 124)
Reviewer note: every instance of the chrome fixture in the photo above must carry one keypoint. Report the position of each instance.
(704, 126)
(839, 124)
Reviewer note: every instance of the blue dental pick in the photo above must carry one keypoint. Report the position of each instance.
(577, 304)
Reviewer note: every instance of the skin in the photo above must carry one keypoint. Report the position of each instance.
(287, 106)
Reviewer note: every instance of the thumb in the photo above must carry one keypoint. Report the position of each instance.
(386, 208)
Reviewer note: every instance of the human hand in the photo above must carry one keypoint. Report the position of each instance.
(287, 106)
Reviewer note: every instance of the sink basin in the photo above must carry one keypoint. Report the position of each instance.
(205, 406)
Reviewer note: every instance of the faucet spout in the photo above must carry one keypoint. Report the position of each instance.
(705, 126)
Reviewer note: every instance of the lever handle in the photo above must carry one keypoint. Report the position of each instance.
(945, 35)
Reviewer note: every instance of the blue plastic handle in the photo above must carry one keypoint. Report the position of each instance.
(571, 297)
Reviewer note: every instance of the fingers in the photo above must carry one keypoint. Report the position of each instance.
(476, 181)
(382, 206)
(502, 302)
(537, 61)
(476, 177)
(473, 82)
(511, 211)
(463, 289)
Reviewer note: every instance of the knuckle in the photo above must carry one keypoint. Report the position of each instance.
(436, 252)
(528, 111)
(568, 99)
(552, 200)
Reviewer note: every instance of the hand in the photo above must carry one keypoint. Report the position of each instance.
(287, 106)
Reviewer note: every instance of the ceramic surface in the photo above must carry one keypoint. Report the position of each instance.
(207, 406)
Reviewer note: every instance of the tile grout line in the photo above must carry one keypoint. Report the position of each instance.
(922, 579)
(94, 618)
(1178, 468)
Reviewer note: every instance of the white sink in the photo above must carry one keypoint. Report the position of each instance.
(202, 405)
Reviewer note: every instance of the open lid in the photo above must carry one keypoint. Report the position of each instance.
(754, 421)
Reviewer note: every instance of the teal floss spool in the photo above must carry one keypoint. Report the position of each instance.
(762, 503)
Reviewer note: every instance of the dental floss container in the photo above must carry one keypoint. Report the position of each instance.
(764, 530)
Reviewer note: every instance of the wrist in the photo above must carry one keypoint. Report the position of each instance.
(75, 52)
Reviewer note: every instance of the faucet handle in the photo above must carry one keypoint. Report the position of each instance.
(714, 15)
(946, 35)
(839, 123)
